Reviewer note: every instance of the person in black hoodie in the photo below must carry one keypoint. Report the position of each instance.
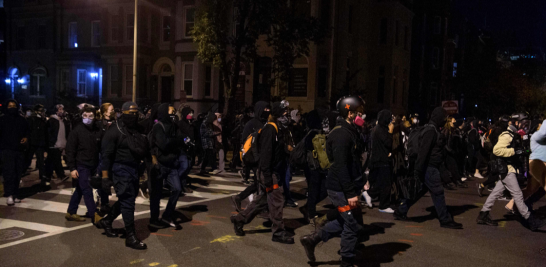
(82, 154)
(167, 141)
(431, 156)
(121, 157)
(38, 140)
(108, 118)
(270, 193)
(381, 163)
(344, 183)
(14, 132)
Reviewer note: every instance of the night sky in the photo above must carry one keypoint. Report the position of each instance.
(525, 20)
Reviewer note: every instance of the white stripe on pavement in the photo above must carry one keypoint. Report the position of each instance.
(44, 205)
(8, 223)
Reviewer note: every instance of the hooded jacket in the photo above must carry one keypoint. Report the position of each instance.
(13, 128)
(149, 122)
(54, 125)
(381, 141)
(185, 125)
(38, 130)
(83, 146)
(257, 122)
(207, 132)
(168, 139)
(432, 145)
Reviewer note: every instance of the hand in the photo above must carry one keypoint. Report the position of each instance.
(353, 202)
(24, 140)
(74, 174)
(154, 160)
(391, 127)
(367, 186)
(106, 185)
(290, 148)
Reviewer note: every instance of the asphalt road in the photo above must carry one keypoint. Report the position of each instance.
(35, 233)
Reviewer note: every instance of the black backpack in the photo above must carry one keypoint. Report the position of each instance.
(298, 157)
(414, 140)
(138, 143)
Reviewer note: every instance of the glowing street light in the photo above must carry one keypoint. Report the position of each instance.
(21, 80)
(7, 80)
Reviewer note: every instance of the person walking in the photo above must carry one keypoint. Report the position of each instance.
(38, 141)
(57, 134)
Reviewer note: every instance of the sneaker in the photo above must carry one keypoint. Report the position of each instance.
(478, 175)
(9, 201)
(283, 238)
(451, 225)
(16, 200)
(241, 174)
(387, 210)
(368, 199)
(291, 204)
(238, 226)
(510, 211)
(485, 219)
(143, 194)
(480, 190)
(172, 223)
(399, 216)
(464, 179)
(74, 217)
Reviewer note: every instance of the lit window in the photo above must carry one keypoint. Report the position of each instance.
(188, 79)
(73, 35)
(82, 79)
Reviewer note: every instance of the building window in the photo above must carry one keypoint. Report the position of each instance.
(21, 40)
(95, 29)
(397, 33)
(437, 25)
(395, 85)
(73, 35)
(406, 37)
(435, 58)
(383, 32)
(297, 84)
(381, 85)
(166, 28)
(82, 79)
(188, 79)
(115, 28)
(42, 36)
(189, 22)
(65, 80)
(130, 27)
(129, 79)
(208, 81)
(37, 80)
(114, 80)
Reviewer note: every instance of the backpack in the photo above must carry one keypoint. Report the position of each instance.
(414, 140)
(150, 136)
(250, 152)
(298, 157)
(319, 150)
(137, 143)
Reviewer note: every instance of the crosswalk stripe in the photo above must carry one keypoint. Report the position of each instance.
(8, 223)
(35, 204)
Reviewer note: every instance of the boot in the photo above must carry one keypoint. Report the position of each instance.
(96, 219)
(347, 262)
(283, 238)
(309, 242)
(399, 216)
(236, 200)
(320, 222)
(535, 223)
(133, 242)
(106, 224)
(74, 217)
(485, 219)
(450, 186)
(303, 211)
(238, 226)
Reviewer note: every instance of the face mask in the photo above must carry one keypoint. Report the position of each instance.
(189, 117)
(297, 118)
(87, 121)
(265, 115)
(129, 120)
(28, 113)
(284, 120)
(251, 115)
(118, 115)
(219, 119)
(12, 111)
(359, 121)
(172, 116)
(414, 121)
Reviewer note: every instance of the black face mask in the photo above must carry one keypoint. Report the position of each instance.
(173, 117)
(130, 121)
(265, 115)
(12, 111)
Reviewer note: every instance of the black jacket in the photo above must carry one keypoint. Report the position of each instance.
(168, 139)
(115, 148)
(149, 122)
(83, 146)
(38, 131)
(53, 130)
(270, 149)
(12, 130)
(257, 122)
(185, 125)
(381, 141)
(432, 145)
(345, 173)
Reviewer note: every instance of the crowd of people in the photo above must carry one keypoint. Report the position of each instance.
(391, 161)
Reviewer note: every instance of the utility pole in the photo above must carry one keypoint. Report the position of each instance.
(135, 51)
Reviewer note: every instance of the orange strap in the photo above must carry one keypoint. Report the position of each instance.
(344, 209)
(276, 186)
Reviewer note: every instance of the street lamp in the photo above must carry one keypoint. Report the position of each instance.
(21, 80)
(94, 75)
(7, 80)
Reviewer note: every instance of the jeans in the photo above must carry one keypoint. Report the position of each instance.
(54, 163)
(347, 225)
(13, 168)
(510, 182)
(381, 183)
(83, 189)
(434, 184)
(126, 180)
(39, 151)
(173, 177)
(317, 190)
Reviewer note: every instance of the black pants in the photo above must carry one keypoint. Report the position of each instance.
(451, 165)
(12, 170)
(210, 159)
(54, 163)
(316, 191)
(381, 183)
(126, 186)
(39, 151)
(253, 188)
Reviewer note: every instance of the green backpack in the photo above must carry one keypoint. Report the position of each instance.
(319, 151)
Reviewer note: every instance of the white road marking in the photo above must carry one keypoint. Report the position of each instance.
(44, 205)
(8, 223)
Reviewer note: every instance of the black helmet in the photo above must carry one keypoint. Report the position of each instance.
(520, 116)
(349, 103)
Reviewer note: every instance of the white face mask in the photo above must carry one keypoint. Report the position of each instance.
(219, 119)
(415, 121)
(28, 113)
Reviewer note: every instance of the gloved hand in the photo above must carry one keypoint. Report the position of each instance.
(96, 182)
(106, 185)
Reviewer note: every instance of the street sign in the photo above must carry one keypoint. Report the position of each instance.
(451, 107)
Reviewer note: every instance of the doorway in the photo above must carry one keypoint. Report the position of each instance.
(166, 89)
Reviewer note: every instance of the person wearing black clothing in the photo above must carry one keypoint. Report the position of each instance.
(344, 183)
(14, 132)
(270, 194)
(431, 156)
(108, 118)
(262, 111)
(57, 134)
(122, 159)
(38, 140)
(151, 172)
(473, 148)
(150, 121)
(381, 162)
(82, 153)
